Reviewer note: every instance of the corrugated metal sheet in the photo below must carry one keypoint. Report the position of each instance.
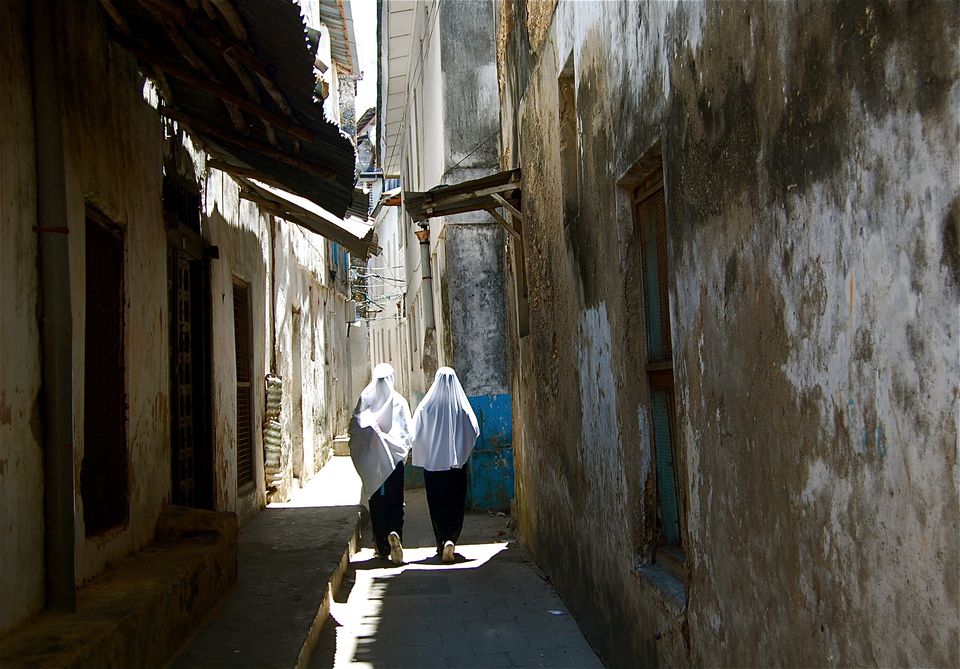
(338, 17)
(360, 205)
(276, 44)
(274, 451)
(354, 234)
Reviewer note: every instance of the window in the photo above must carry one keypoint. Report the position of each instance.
(242, 336)
(650, 212)
(103, 471)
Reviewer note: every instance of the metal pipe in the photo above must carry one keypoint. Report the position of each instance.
(56, 326)
(424, 236)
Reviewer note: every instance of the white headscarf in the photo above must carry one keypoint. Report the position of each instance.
(379, 430)
(444, 425)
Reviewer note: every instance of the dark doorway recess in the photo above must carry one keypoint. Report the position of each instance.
(191, 434)
(104, 487)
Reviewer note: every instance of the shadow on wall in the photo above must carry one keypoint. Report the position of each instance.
(238, 382)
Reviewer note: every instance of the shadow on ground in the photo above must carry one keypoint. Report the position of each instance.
(492, 608)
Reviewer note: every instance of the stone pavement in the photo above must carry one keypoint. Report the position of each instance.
(490, 609)
(290, 557)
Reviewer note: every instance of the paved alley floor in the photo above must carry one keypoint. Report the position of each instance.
(289, 557)
(489, 609)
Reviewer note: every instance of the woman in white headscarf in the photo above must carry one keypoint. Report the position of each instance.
(379, 442)
(444, 432)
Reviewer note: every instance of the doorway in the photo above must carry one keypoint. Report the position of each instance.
(191, 439)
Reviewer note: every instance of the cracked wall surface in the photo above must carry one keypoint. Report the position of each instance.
(810, 159)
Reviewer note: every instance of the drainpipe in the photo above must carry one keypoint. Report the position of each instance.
(423, 234)
(56, 327)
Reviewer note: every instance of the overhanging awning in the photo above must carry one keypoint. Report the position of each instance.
(238, 74)
(489, 193)
(353, 234)
(338, 17)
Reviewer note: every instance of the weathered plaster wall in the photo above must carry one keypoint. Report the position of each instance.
(423, 164)
(115, 151)
(21, 473)
(387, 292)
(468, 85)
(302, 284)
(478, 317)
(242, 234)
(810, 159)
(113, 158)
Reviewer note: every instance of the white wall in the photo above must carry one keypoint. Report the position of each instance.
(386, 329)
(114, 157)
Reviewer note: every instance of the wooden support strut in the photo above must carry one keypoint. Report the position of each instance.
(252, 144)
(505, 224)
(506, 205)
(205, 84)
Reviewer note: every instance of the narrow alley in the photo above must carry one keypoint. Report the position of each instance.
(661, 296)
(492, 608)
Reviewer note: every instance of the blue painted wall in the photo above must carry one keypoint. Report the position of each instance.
(490, 482)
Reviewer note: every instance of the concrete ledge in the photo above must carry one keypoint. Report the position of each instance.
(139, 611)
(291, 562)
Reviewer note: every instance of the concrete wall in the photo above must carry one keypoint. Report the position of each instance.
(450, 135)
(386, 288)
(113, 157)
(21, 458)
(810, 159)
(243, 236)
(116, 150)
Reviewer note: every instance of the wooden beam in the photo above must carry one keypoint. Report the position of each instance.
(232, 18)
(205, 84)
(506, 205)
(506, 225)
(236, 170)
(115, 16)
(432, 200)
(260, 147)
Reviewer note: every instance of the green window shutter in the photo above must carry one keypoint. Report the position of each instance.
(667, 497)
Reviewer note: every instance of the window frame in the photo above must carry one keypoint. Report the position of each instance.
(648, 195)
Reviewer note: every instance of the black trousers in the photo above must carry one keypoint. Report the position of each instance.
(447, 498)
(386, 510)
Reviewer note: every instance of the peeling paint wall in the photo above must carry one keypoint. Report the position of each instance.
(810, 165)
(450, 129)
(116, 150)
(243, 236)
(113, 157)
(21, 456)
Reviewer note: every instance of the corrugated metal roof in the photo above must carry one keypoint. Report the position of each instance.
(265, 41)
(360, 206)
(354, 234)
(397, 35)
(337, 15)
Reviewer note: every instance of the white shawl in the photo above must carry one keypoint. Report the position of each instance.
(444, 425)
(379, 430)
